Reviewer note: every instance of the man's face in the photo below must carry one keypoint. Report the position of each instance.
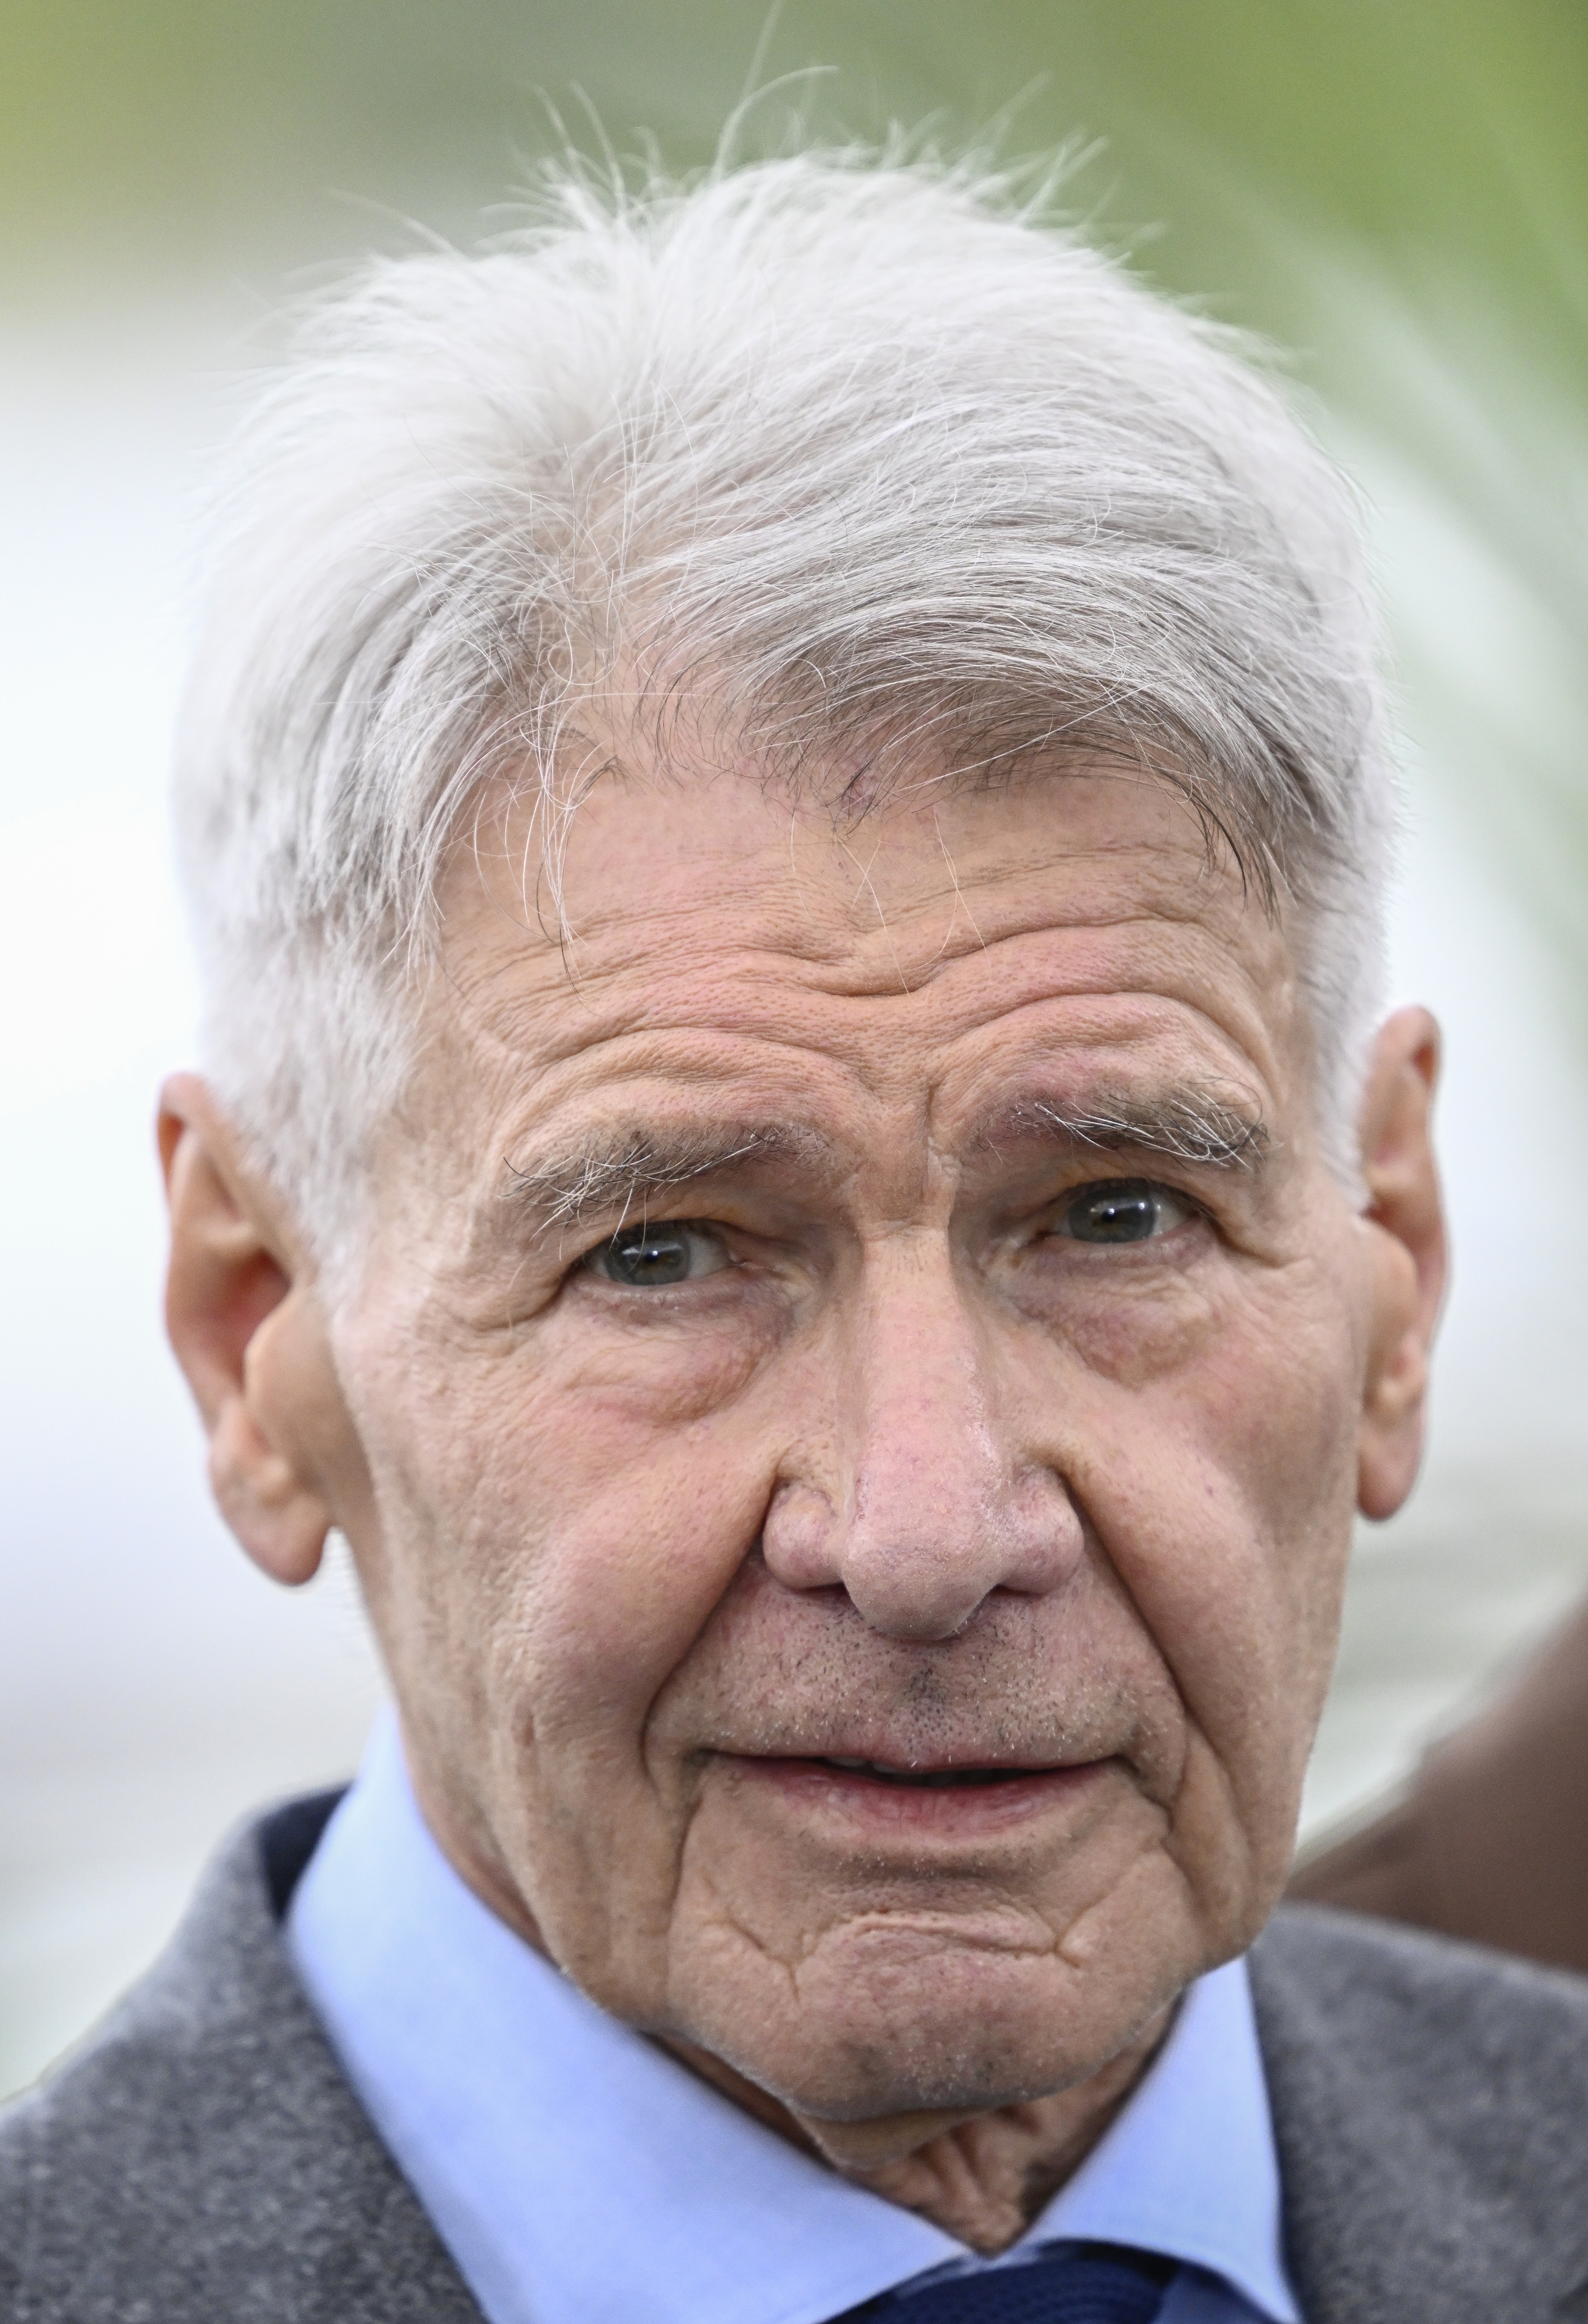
(856, 1519)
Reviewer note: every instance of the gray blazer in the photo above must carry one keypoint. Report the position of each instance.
(203, 2161)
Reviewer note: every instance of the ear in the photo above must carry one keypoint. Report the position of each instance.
(1405, 1218)
(243, 1320)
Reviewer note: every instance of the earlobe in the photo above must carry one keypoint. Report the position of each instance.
(230, 1289)
(281, 1526)
(1405, 1219)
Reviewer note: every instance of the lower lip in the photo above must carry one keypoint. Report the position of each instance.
(816, 1785)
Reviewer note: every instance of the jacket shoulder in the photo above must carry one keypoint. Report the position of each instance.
(204, 2155)
(1430, 2105)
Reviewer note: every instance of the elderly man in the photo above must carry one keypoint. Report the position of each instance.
(788, 815)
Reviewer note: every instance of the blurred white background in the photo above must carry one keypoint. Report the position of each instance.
(153, 1686)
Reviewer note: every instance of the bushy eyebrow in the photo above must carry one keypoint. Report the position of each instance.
(614, 1176)
(1183, 1124)
(623, 1171)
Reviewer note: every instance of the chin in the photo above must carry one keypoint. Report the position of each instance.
(885, 2026)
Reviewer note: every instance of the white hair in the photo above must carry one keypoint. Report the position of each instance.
(849, 458)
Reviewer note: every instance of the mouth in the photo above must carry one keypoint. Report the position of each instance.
(960, 1802)
(930, 1779)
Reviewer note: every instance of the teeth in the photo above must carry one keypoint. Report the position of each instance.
(935, 1779)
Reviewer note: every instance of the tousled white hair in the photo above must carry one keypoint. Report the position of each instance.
(845, 460)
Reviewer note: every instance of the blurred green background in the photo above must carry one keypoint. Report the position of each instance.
(1394, 190)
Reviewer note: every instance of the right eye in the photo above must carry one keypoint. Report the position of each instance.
(654, 1257)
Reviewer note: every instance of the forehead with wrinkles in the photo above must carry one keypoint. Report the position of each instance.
(1059, 958)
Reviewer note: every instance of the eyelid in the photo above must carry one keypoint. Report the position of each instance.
(1116, 1179)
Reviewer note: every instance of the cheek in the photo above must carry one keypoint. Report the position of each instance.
(1135, 1330)
(628, 1483)
(654, 1374)
(1133, 1316)
(1222, 1491)
(632, 1567)
(565, 1531)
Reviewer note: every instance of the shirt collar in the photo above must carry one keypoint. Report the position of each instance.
(1190, 2167)
(579, 2176)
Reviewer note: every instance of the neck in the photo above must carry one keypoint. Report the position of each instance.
(980, 2177)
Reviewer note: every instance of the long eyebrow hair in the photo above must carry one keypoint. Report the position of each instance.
(625, 1169)
(1183, 1124)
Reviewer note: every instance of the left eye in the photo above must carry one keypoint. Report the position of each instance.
(1122, 1210)
(650, 1257)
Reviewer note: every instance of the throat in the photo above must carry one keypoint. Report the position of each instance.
(986, 2178)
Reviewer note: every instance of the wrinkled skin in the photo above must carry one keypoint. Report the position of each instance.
(904, 1472)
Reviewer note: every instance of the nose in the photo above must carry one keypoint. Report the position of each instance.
(923, 1495)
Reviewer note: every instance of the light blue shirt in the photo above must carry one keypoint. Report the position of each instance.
(579, 2176)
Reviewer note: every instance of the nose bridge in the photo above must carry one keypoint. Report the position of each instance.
(924, 1454)
(936, 1508)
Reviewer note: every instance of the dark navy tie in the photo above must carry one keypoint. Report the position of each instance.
(1075, 2284)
